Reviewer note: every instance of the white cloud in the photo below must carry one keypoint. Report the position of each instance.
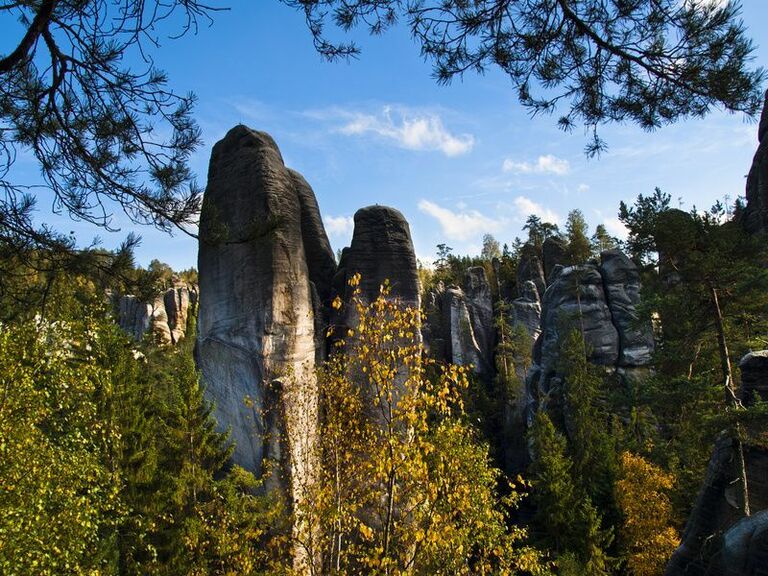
(526, 207)
(339, 225)
(615, 227)
(582, 188)
(410, 130)
(463, 225)
(547, 164)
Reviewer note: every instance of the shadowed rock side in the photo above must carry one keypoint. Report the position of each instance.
(381, 249)
(601, 303)
(756, 213)
(256, 329)
(531, 269)
(717, 540)
(621, 281)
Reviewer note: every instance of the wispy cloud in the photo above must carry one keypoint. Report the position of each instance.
(411, 130)
(461, 225)
(339, 225)
(526, 207)
(547, 164)
(582, 188)
(612, 224)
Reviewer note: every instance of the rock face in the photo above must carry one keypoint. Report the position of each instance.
(622, 290)
(166, 317)
(601, 303)
(756, 213)
(527, 309)
(257, 342)
(754, 376)
(531, 269)
(460, 324)
(712, 533)
(381, 249)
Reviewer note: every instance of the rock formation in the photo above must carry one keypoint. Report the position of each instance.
(712, 532)
(756, 213)
(264, 262)
(531, 269)
(460, 324)
(526, 310)
(601, 303)
(621, 281)
(165, 317)
(381, 249)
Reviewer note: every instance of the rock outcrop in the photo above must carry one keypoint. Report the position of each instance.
(601, 303)
(621, 281)
(754, 376)
(264, 262)
(460, 324)
(755, 217)
(531, 269)
(714, 530)
(526, 310)
(381, 250)
(165, 317)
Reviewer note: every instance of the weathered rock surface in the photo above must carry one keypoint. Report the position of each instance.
(134, 317)
(166, 317)
(526, 310)
(709, 537)
(756, 212)
(754, 376)
(257, 341)
(381, 249)
(460, 325)
(601, 302)
(622, 290)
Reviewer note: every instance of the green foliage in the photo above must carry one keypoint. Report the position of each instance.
(579, 248)
(604, 62)
(640, 221)
(59, 497)
(538, 231)
(565, 515)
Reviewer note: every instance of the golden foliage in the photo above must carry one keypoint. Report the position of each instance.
(404, 487)
(646, 537)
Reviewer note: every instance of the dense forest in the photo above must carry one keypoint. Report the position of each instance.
(112, 464)
(567, 403)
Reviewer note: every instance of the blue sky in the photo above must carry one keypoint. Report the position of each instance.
(459, 161)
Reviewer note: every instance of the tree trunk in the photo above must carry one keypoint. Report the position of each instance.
(731, 400)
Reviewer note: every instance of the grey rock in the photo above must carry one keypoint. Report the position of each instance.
(622, 289)
(321, 262)
(755, 218)
(754, 376)
(477, 292)
(134, 317)
(257, 341)
(576, 300)
(717, 509)
(744, 549)
(381, 249)
(527, 309)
